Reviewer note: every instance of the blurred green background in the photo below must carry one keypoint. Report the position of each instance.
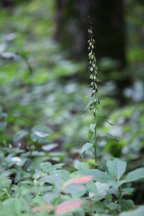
(44, 77)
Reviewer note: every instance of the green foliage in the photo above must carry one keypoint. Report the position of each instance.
(43, 184)
(139, 211)
(116, 168)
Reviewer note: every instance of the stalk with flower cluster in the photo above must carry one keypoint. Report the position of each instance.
(94, 84)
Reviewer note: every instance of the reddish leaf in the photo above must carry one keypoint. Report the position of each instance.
(67, 207)
(78, 180)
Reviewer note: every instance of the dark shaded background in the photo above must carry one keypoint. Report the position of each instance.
(115, 25)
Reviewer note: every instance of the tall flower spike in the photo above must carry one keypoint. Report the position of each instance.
(94, 81)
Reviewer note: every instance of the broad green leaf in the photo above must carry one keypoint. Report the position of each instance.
(3, 126)
(40, 134)
(114, 206)
(127, 191)
(100, 192)
(50, 196)
(4, 182)
(14, 207)
(91, 187)
(81, 166)
(138, 212)
(46, 167)
(85, 148)
(49, 147)
(57, 178)
(58, 166)
(126, 204)
(102, 188)
(135, 175)
(75, 190)
(38, 175)
(20, 135)
(100, 208)
(116, 167)
(98, 175)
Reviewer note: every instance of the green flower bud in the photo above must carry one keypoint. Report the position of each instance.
(91, 76)
(90, 31)
(91, 57)
(95, 100)
(91, 69)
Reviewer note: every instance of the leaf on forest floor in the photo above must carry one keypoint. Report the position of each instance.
(68, 206)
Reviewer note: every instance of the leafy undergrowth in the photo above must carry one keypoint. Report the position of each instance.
(31, 185)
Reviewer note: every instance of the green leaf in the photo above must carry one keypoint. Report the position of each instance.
(100, 208)
(3, 126)
(127, 191)
(102, 188)
(75, 190)
(126, 204)
(49, 147)
(20, 135)
(91, 187)
(100, 192)
(116, 167)
(81, 166)
(113, 206)
(14, 207)
(23, 54)
(4, 182)
(98, 175)
(50, 196)
(40, 134)
(85, 148)
(138, 212)
(135, 175)
(57, 178)
(92, 127)
(46, 167)
(91, 130)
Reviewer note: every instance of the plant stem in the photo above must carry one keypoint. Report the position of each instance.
(6, 191)
(95, 135)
